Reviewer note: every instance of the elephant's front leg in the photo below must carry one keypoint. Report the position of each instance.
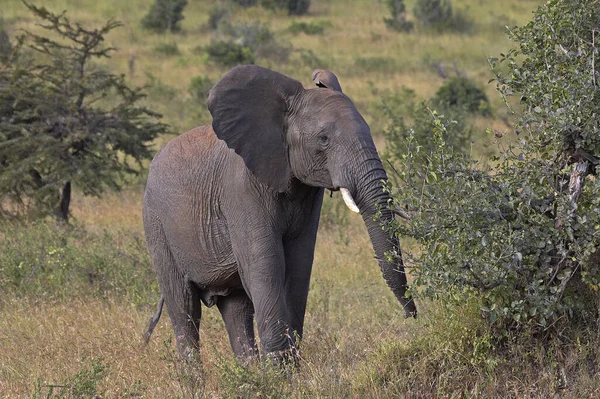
(261, 261)
(299, 254)
(299, 251)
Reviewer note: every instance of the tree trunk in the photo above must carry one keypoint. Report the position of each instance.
(65, 201)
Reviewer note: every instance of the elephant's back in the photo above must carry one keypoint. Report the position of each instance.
(182, 199)
(188, 161)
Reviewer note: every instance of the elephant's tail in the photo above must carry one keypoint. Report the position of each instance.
(154, 319)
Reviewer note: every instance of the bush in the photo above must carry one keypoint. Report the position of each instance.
(463, 93)
(199, 88)
(164, 15)
(398, 19)
(400, 134)
(216, 14)
(229, 53)
(50, 261)
(243, 43)
(167, 49)
(433, 13)
(5, 45)
(293, 7)
(309, 28)
(83, 384)
(522, 234)
(245, 3)
(439, 15)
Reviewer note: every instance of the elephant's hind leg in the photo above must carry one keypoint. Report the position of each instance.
(238, 315)
(183, 304)
(181, 295)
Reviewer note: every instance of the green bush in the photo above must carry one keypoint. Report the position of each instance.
(167, 49)
(5, 45)
(245, 3)
(243, 43)
(411, 124)
(398, 19)
(51, 261)
(164, 15)
(293, 7)
(464, 93)
(521, 233)
(83, 384)
(216, 14)
(439, 15)
(433, 13)
(199, 88)
(309, 28)
(229, 53)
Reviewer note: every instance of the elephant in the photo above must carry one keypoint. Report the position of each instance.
(231, 210)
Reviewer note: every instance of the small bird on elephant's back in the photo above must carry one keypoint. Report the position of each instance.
(231, 209)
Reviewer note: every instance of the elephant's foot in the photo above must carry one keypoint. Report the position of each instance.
(288, 360)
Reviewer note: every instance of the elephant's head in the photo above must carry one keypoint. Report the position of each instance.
(283, 131)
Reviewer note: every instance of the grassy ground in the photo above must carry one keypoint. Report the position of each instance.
(75, 302)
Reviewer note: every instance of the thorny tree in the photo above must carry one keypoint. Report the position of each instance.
(66, 121)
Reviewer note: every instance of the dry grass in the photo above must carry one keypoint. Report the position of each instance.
(50, 341)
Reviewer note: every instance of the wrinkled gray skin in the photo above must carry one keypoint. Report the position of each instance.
(231, 210)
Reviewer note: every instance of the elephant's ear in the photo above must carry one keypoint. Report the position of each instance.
(325, 78)
(249, 106)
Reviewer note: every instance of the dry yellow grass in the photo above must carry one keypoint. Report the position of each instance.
(345, 321)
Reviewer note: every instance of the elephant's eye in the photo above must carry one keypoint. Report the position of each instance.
(323, 139)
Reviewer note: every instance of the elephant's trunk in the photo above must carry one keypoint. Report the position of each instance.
(370, 199)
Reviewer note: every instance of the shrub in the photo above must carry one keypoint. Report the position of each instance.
(199, 88)
(433, 13)
(522, 234)
(309, 28)
(216, 14)
(310, 59)
(245, 3)
(464, 93)
(157, 89)
(167, 49)
(439, 15)
(83, 384)
(293, 7)
(164, 15)
(401, 134)
(243, 43)
(5, 45)
(229, 53)
(49, 261)
(398, 19)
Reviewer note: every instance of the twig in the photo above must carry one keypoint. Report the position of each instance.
(402, 213)
(594, 56)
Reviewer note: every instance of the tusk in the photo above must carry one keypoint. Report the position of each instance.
(348, 200)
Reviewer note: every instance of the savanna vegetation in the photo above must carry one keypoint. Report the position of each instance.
(496, 191)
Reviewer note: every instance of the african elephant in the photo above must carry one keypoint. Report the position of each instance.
(231, 210)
